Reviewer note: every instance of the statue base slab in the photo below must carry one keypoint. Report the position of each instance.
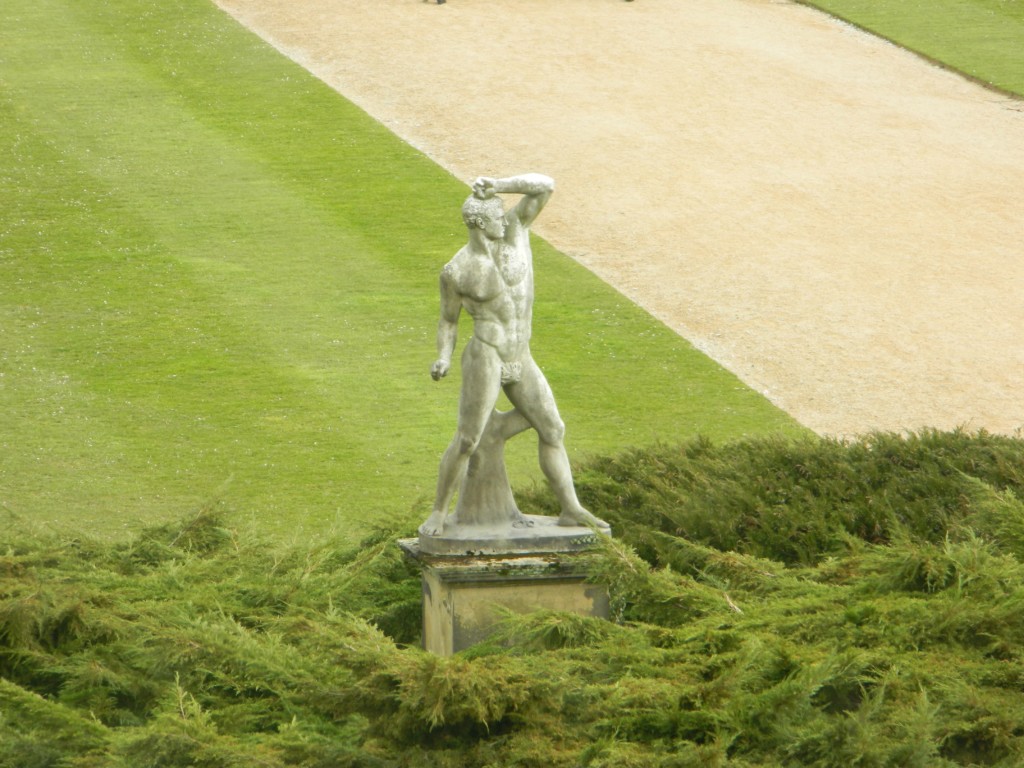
(463, 595)
(525, 534)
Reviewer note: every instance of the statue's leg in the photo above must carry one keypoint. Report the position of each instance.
(508, 424)
(481, 384)
(533, 398)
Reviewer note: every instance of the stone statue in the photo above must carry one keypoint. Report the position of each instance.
(491, 277)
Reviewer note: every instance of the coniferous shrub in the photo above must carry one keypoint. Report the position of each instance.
(808, 603)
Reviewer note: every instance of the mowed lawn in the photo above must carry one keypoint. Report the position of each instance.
(218, 286)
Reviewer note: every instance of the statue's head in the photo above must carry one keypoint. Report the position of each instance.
(486, 214)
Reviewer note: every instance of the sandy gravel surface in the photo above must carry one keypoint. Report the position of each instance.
(836, 221)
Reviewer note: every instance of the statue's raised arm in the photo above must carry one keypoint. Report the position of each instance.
(536, 189)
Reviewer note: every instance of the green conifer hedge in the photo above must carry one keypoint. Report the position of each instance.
(776, 603)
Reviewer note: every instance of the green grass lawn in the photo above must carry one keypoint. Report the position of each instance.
(220, 287)
(981, 38)
(219, 281)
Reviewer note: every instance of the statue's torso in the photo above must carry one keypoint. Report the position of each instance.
(497, 291)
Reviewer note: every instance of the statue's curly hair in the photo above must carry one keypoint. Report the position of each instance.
(474, 210)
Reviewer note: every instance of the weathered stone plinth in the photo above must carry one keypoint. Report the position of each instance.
(462, 594)
(522, 534)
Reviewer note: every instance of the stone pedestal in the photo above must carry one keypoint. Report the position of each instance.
(461, 592)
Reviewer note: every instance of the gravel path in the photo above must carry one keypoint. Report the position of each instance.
(830, 217)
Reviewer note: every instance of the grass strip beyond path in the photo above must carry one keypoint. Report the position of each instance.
(983, 39)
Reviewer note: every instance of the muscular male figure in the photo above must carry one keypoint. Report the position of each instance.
(491, 277)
